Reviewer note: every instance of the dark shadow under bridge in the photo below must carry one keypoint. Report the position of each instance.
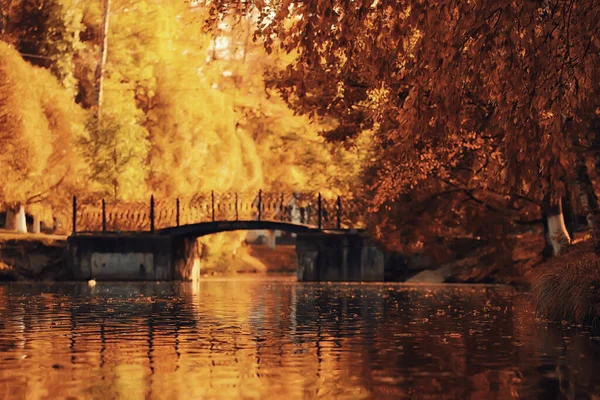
(208, 228)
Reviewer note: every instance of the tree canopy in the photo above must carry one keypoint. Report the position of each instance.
(183, 111)
(40, 127)
(469, 101)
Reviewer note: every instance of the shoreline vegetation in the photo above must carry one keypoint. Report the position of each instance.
(567, 289)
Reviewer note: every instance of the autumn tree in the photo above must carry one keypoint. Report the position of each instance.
(470, 98)
(40, 127)
(118, 142)
(293, 154)
(47, 33)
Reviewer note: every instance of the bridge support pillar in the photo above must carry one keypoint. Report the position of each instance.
(133, 257)
(339, 257)
(186, 258)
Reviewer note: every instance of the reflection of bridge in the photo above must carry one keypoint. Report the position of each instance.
(157, 240)
(205, 214)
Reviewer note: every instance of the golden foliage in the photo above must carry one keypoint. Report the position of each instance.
(40, 127)
(485, 102)
(183, 112)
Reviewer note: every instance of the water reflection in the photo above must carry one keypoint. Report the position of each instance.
(275, 338)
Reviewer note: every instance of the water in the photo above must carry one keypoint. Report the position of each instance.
(266, 337)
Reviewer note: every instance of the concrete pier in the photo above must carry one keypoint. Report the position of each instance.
(338, 257)
(116, 257)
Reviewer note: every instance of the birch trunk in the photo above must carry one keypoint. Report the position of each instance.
(557, 235)
(271, 239)
(21, 226)
(569, 215)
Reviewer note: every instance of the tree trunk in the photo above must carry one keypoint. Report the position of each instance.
(103, 55)
(569, 214)
(589, 202)
(11, 219)
(547, 250)
(271, 239)
(36, 224)
(21, 226)
(247, 38)
(557, 235)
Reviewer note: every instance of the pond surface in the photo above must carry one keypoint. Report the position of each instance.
(266, 337)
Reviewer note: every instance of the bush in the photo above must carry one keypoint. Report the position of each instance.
(569, 292)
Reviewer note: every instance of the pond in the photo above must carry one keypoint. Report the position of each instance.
(271, 337)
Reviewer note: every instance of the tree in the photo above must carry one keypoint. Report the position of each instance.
(47, 33)
(40, 127)
(451, 88)
(291, 150)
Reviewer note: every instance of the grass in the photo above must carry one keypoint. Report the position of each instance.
(44, 238)
(570, 291)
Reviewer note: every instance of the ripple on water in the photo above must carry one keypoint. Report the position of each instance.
(274, 338)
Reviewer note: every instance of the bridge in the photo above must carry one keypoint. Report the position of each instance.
(156, 240)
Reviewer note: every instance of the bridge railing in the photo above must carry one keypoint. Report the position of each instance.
(158, 213)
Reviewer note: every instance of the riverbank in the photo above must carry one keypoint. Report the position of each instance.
(26, 256)
(41, 257)
(280, 260)
(253, 259)
(519, 264)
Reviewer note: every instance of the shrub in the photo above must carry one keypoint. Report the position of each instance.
(569, 292)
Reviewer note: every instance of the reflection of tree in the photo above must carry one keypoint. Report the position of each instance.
(419, 340)
(260, 339)
(569, 365)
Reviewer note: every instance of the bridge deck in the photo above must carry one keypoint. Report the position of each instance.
(207, 228)
(214, 212)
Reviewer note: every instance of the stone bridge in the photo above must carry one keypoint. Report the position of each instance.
(157, 240)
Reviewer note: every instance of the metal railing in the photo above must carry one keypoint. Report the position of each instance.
(301, 208)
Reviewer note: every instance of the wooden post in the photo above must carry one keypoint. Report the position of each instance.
(320, 214)
(152, 213)
(212, 200)
(281, 213)
(177, 212)
(103, 216)
(74, 215)
(339, 212)
(259, 204)
(237, 217)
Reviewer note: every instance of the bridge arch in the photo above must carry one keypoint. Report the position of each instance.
(209, 228)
